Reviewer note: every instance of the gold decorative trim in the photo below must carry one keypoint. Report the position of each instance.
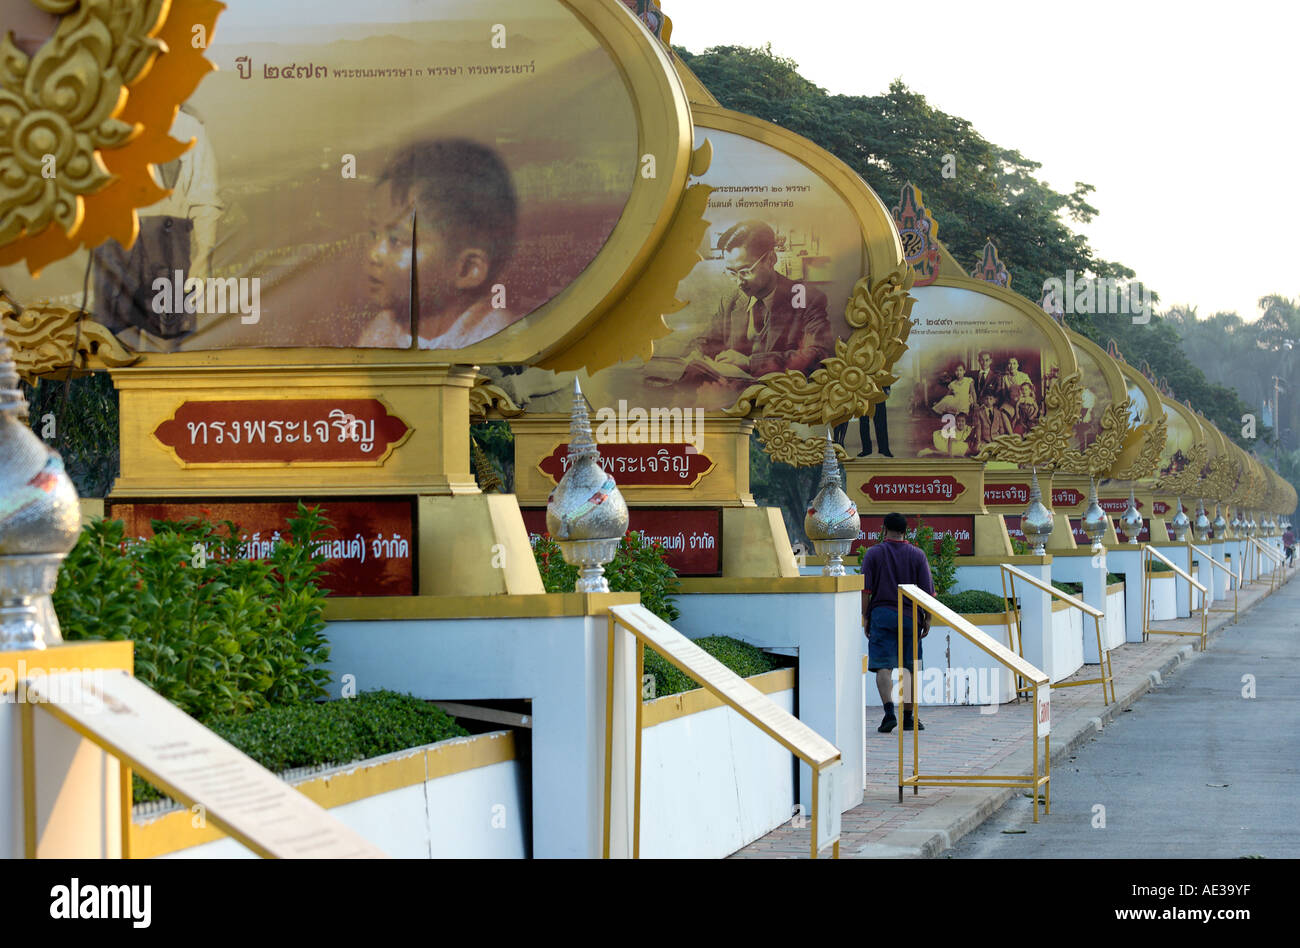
(1148, 462)
(1222, 477)
(60, 108)
(1050, 439)
(1186, 480)
(1106, 449)
(100, 98)
(47, 342)
(782, 443)
(850, 383)
(486, 397)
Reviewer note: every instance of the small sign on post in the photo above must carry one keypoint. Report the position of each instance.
(828, 806)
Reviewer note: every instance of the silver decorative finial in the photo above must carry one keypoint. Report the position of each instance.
(1179, 523)
(1202, 526)
(1036, 521)
(832, 522)
(1130, 521)
(1220, 525)
(39, 522)
(1094, 518)
(585, 513)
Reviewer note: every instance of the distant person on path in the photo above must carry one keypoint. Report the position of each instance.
(1288, 543)
(887, 565)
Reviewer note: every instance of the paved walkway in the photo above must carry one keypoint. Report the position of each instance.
(960, 740)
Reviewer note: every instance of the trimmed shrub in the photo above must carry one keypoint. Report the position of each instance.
(741, 657)
(307, 734)
(973, 601)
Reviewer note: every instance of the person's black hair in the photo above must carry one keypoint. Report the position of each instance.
(464, 190)
(755, 236)
(895, 523)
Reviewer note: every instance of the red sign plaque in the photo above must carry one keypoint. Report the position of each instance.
(1066, 497)
(639, 465)
(962, 528)
(999, 495)
(691, 538)
(1160, 508)
(1116, 504)
(938, 489)
(280, 431)
(369, 552)
(1076, 526)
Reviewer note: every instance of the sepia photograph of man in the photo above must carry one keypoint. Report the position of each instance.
(768, 323)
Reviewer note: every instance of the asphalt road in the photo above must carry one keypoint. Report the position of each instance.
(1195, 769)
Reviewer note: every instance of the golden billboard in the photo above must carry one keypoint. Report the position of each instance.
(477, 178)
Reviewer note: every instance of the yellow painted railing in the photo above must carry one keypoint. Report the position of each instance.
(1098, 616)
(1040, 687)
(1236, 582)
(818, 753)
(1149, 551)
(1273, 556)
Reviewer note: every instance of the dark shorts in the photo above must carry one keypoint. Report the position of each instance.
(882, 639)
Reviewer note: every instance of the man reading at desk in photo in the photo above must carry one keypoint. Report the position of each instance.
(891, 563)
(768, 323)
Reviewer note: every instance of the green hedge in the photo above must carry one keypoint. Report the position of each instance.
(741, 657)
(1070, 589)
(1113, 578)
(308, 734)
(973, 601)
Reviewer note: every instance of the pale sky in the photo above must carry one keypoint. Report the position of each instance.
(1181, 114)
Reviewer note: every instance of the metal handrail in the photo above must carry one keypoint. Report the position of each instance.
(1098, 616)
(1149, 551)
(1273, 555)
(1235, 578)
(729, 688)
(1042, 691)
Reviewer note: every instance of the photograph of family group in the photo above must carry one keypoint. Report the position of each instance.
(966, 400)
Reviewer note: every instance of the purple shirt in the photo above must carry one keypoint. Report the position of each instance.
(887, 565)
(1288, 538)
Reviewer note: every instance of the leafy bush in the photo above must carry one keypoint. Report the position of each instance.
(639, 566)
(225, 637)
(1158, 567)
(942, 555)
(741, 657)
(1113, 578)
(972, 601)
(307, 733)
(1070, 589)
(1020, 548)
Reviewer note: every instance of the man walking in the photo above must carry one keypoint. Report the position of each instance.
(887, 565)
